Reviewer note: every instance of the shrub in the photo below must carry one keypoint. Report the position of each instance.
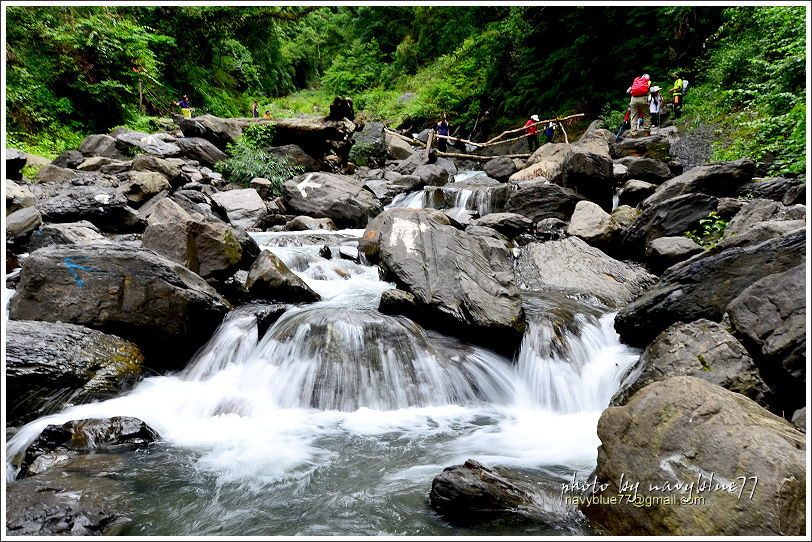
(711, 231)
(247, 162)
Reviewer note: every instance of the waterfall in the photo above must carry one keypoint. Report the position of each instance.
(409, 200)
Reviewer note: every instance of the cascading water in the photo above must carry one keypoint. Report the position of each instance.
(338, 418)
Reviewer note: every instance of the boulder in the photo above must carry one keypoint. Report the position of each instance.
(340, 198)
(702, 349)
(669, 218)
(646, 169)
(762, 210)
(624, 215)
(500, 168)
(664, 252)
(770, 318)
(20, 224)
(472, 488)
(82, 436)
(372, 136)
(775, 189)
(216, 130)
(799, 419)
(296, 156)
(508, 224)
(397, 301)
(52, 174)
(142, 185)
(319, 137)
(397, 148)
(745, 464)
(270, 279)
(49, 365)
(100, 145)
(18, 196)
(702, 287)
(242, 207)
(134, 293)
(264, 187)
(201, 150)
(463, 283)
(633, 192)
(104, 207)
(134, 142)
(165, 210)
(593, 225)
(15, 162)
(572, 266)
(69, 159)
(758, 233)
(540, 199)
(728, 207)
(303, 223)
(386, 189)
(71, 233)
(715, 179)
(620, 172)
(431, 175)
(97, 163)
(171, 168)
(796, 194)
(656, 147)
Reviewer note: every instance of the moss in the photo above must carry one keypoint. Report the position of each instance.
(232, 247)
(705, 365)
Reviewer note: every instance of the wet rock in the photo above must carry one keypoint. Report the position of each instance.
(88, 435)
(72, 233)
(18, 196)
(15, 162)
(508, 224)
(770, 318)
(715, 179)
(49, 365)
(702, 349)
(270, 279)
(134, 293)
(431, 175)
(540, 199)
(702, 287)
(646, 169)
(684, 429)
(396, 301)
(669, 218)
(349, 253)
(304, 223)
(104, 207)
(467, 288)
(664, 252)
(571, 265)
(340, 198)
(243, 207)
(386, 189)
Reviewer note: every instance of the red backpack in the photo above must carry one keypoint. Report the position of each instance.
(640, 87)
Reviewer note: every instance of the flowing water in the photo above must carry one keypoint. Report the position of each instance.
(338, 418)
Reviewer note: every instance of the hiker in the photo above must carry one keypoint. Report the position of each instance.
(639, 103)
(655, 100)
(255, 109)
(441, 128)
(625, 124)
(532, 132)
(185, 107)
(676, 93)
(267, 114)
(550, 131)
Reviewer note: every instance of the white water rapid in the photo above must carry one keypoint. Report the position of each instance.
(337, 419)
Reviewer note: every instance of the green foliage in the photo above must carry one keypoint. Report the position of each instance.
(247, 162)
(710, 232)
(358, 70)
(362, 154)
(258, 136)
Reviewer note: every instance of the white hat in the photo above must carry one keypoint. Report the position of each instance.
(655, 88)
(646, 76)
(534, 117)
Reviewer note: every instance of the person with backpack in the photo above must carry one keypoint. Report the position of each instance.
(655, 99)
(676, 92)
(532, 132)
(550, 131)
(441, 128)
(639, 103)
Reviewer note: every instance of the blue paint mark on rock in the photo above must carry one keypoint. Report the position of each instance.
(72, 266)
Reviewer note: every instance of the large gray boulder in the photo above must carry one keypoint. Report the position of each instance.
(372, 136)
(634, 191)
(770, 318)
(71, 233)
(702, 349)
(702, 287)
(100, 145)
(242, 207)
(216, 130)
(594, 225)
(540, 199)
(49, 365)
(500, 168)
(646, 169)
(270, 279)
(52, 174)
(775, 189)
(103, 206)
(508, 224)
(685, 430)
(341, 198)
(762, 210)
(69, 159)
(572, 266)
(134, 293)
(397, 148)
(18, 196)
(656, 146)
(201, 150)
(758, 233)
(171, 168)
(715, 179)
(464, 283)
(669, 218)
(142, 185)
(296, 156)
(21, 223)
(664, 252)
(133, 142)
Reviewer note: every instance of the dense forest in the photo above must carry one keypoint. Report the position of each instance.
(74, 70)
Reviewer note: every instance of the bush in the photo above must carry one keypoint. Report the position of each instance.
(247, 162)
